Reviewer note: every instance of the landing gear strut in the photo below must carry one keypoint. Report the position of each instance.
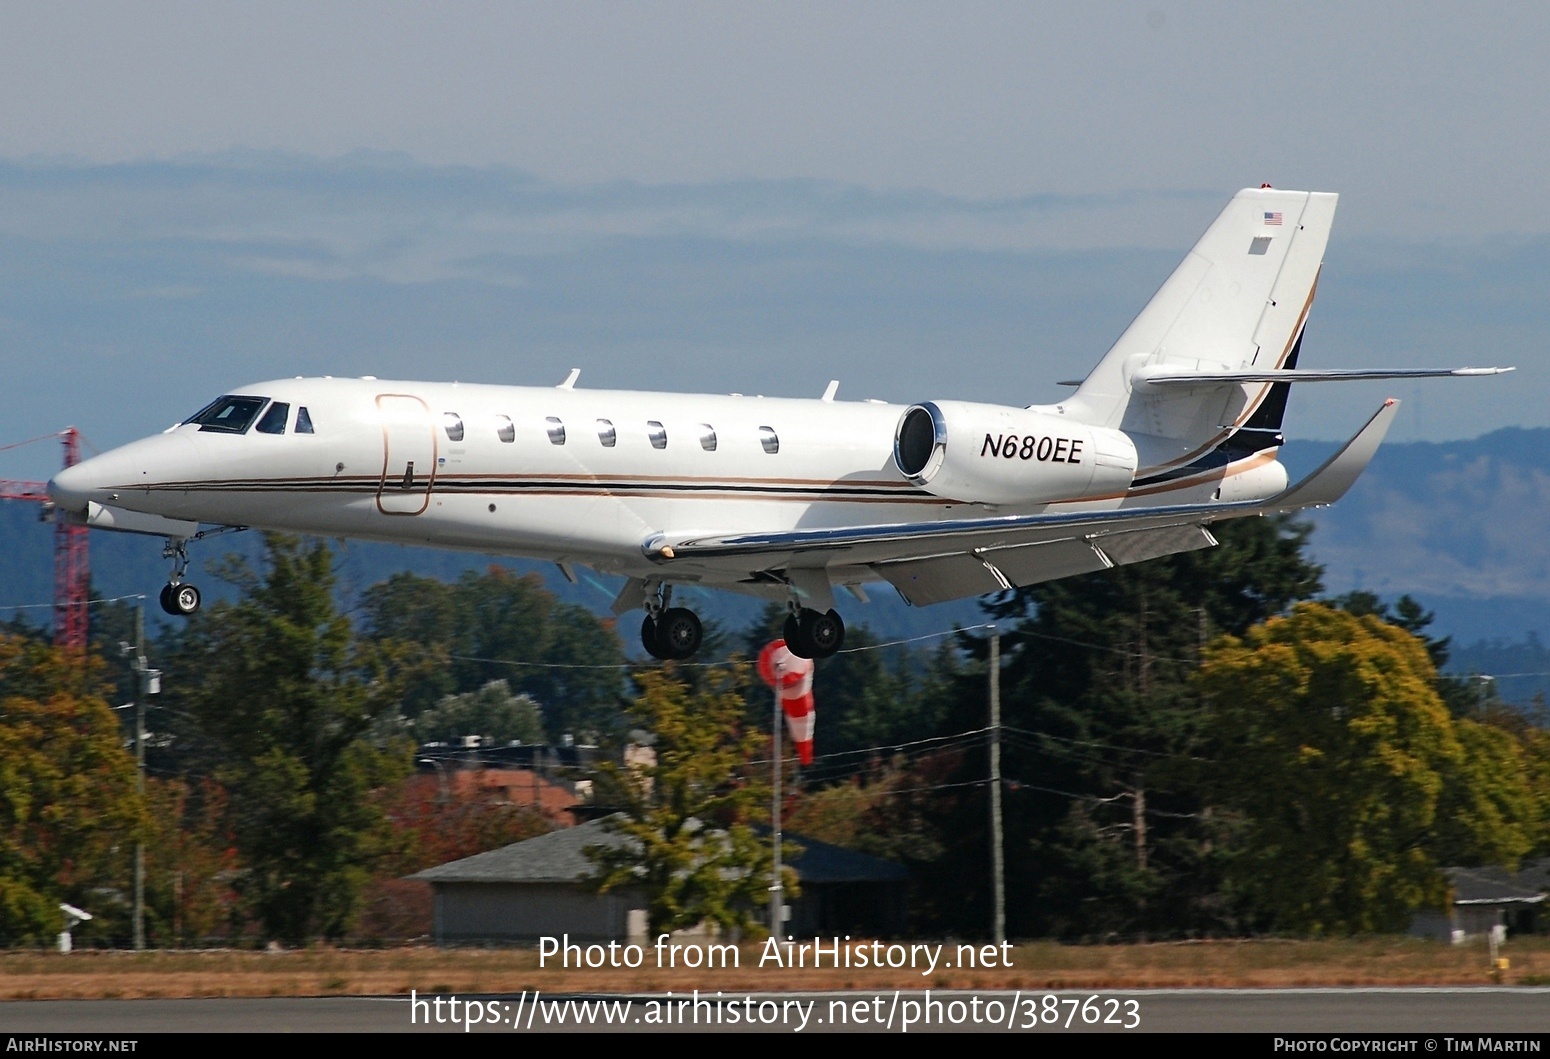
(176, 597)
(669, 633)
(811, 634)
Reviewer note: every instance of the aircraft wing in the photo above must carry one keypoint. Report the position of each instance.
(929, 562)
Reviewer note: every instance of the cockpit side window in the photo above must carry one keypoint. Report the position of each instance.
(274, 419)
(232, 414)
(303, 421)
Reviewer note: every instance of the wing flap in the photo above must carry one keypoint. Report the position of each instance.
(1126, 548)
(1030, 564)
(940, 578)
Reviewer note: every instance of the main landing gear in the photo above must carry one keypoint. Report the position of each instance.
(811, 634)
(176, 596)
(669, 633)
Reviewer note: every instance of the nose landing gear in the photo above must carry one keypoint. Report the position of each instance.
(176, 597)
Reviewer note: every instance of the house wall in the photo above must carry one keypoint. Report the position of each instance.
(528, 911)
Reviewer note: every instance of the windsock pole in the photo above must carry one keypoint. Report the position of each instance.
(777, 889)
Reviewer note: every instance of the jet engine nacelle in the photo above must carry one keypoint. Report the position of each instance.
(993, 454)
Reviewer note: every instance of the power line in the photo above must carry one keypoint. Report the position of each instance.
(89, 602)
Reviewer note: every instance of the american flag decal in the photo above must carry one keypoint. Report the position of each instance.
(1273, 218)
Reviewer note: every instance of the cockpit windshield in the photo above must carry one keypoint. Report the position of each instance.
(232, 414)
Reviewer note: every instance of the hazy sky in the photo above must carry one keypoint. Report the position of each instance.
(748, 196)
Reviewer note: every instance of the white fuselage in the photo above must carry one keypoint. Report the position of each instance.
(570, 475)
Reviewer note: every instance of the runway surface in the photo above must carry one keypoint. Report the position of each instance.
(1421, 1012)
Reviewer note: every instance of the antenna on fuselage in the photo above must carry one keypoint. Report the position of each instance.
(570, 380)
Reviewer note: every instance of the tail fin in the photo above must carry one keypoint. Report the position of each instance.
(1238, 301)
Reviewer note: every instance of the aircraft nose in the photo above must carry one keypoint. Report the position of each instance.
(122, 474)
(73, 487)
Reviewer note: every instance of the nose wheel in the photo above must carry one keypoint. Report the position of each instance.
(811, 634)
(178, 597)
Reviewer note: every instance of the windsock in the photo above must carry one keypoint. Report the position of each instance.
(792, 679)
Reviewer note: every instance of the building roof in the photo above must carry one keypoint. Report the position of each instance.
(560, 857)
(1494, 886)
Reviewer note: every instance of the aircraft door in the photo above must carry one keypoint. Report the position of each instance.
(408, 455)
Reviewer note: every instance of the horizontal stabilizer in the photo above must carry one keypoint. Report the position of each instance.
(1330, 482)
(1161, 375)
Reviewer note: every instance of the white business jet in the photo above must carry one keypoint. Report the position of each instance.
(1177, 427)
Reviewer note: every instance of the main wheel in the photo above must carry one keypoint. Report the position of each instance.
(184, 599)
(824, 633)
(650, 641)
(680, 632)
(166, 599)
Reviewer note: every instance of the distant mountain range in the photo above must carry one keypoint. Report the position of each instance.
(1460, 525)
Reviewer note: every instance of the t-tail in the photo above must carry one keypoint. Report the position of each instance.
(1200, 379)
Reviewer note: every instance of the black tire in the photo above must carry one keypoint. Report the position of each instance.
(648, 640)
(185, 599)
(166, 599)
(796, 640)
(824, 633)
(679, 632)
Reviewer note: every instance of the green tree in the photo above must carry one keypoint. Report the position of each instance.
(286, 700)
(491, 711)
(1334, 748)
(497, 625)
(1489, 812)
(686, 820)
(69, 811)
(1106, 832)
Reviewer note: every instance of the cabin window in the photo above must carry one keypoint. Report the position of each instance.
(506, 429)
(707, 437)
(274, 419)
(303, 421)
(769, 439)
(658, 434)
(452, 423)
(606, 434)
(232, 414)
(556, 431)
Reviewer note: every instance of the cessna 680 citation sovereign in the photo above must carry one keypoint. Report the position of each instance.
(1178, 426)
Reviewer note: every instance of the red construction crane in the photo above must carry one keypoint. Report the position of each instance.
(72, 572)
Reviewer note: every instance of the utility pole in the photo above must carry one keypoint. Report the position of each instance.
(147, 682)
(139, 669)
(777, 887)
(997, 867)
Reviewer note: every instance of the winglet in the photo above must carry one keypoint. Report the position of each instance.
(1330, 482)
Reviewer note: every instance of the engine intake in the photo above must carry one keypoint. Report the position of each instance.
(994, 454)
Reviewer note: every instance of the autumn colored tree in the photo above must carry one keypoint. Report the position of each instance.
(1333, 747)
(191, 862)
(686, 820)
(69, 811)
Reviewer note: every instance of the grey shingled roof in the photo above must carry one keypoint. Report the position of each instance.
(559, 857)
(1492, 886)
